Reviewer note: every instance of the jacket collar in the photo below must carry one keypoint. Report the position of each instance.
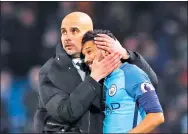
(62, 57)
(64, 60)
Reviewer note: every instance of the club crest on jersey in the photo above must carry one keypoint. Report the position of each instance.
(145, 87)
(112, 90)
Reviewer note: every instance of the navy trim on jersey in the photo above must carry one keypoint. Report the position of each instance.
(150, 102)
(135, 115)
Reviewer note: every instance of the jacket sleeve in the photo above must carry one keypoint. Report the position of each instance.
(137, 59)
(39, 118)
(68, 107)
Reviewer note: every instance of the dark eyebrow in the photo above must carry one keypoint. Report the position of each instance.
(88, 48)
(62, 28)
(71, 28)
(75, 28)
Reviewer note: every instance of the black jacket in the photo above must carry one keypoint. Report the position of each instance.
(69, 104)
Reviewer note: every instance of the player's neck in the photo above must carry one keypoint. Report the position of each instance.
(115, 69)
(118, 65)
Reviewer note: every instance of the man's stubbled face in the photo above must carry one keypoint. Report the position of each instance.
(90, 51)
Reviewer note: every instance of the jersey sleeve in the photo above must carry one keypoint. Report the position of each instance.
(138, 86)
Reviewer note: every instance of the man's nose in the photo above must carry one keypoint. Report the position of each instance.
(67, 38)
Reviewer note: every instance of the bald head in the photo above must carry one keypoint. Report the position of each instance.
(73, 28)
(78, 19)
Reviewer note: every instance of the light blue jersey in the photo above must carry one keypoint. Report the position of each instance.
(122, 88)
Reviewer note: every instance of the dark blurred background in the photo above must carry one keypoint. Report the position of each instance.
(30, 32)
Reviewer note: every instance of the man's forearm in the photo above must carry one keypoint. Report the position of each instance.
(64, 107)
(150, 122)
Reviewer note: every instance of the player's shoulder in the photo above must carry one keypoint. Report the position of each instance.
(133, 71)
(131, 68)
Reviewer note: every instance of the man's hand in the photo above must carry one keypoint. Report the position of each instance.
(110, 45)
(101, 69)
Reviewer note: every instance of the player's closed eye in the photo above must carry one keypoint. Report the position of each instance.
(89, 52)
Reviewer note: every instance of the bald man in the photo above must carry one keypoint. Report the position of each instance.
(70, 96)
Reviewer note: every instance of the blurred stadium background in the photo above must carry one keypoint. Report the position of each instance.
(31, 30)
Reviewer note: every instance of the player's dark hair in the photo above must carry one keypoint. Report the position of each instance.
(90, 35)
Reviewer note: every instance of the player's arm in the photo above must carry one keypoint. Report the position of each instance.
(148, 100)
(150, 122)
(140, 88)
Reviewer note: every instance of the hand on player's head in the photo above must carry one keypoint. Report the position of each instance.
(110, 45)
(89, 49)
(100, 65)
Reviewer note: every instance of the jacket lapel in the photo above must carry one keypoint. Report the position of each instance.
(63, 74)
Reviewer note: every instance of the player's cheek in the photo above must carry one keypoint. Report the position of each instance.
(86, 58)
(92, 57)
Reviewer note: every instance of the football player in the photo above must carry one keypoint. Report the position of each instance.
(131, 102)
